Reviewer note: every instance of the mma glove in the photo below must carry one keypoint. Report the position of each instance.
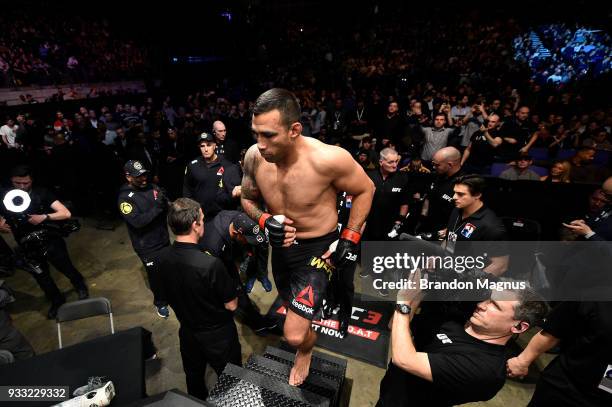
(273, 228)
(399, 223)
(347, 248)
(395, 230)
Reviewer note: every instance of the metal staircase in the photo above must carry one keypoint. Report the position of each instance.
(264, 382)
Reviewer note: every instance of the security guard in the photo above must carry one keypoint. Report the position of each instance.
(202, 294)
(390, 203)
(224, 234)
(34, 227)
(211, 180)
(439, 201)
(143, 207)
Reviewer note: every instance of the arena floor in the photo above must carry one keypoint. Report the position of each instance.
(112, 270)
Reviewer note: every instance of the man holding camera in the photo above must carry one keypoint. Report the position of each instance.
(460, 361)
(35, 229)
(143, 206)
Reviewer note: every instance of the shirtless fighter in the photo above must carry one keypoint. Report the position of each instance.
(299, 177)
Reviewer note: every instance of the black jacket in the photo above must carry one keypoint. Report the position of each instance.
(144, 211)
(211, 184)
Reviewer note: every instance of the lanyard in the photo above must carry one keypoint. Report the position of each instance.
(360, 115)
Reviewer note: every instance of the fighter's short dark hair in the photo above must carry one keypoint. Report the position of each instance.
(282, 100)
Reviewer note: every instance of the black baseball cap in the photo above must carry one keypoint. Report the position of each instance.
(206, 137)
(134, 168)
(249, 229)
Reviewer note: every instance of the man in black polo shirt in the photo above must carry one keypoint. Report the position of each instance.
(203, 296)
(224, 234)
(576, 376)
(390, 203)
(458, 362)
(439, 201)
(211, 180)
(471, 221)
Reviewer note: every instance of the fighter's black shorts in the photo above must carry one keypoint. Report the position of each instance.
(301, 276)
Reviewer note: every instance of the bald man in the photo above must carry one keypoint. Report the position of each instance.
(439, 204)
(599, 226)
(225, 147)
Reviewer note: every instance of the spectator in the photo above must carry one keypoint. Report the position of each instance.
(599, 141)
(480, 153)
(520, 171)
(9, 134)
(559, 172)
(436, 137)
(583, 169)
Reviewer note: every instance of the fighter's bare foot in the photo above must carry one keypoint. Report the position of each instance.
(300, 369)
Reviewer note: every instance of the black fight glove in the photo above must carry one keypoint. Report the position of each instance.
(395, 230)
(347, 249)
(273, 228)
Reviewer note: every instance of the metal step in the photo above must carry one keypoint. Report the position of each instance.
(325, 387)
(322, 364)
(239, 387)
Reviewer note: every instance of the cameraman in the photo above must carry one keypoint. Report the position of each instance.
(461, 361)
(34, 232)
(144, 206)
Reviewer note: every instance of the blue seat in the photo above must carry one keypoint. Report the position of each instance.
(602, 157)
(498, 168)
(539, 154)
(566, 153)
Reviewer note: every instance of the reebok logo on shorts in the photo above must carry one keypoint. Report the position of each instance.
(306, 296)
(304, 300)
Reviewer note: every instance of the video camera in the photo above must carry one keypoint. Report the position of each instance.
(428, 245)
(33, 246)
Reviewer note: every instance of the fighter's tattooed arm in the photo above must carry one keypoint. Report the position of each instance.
(251, 197)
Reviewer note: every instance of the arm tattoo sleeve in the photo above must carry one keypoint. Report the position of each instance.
(250, 196)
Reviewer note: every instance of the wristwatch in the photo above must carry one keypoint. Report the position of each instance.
(403, 309)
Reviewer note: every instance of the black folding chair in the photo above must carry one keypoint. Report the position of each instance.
(82, 309)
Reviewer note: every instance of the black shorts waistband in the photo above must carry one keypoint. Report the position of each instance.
(331, 235)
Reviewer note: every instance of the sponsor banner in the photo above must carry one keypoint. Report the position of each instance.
(368, 333)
